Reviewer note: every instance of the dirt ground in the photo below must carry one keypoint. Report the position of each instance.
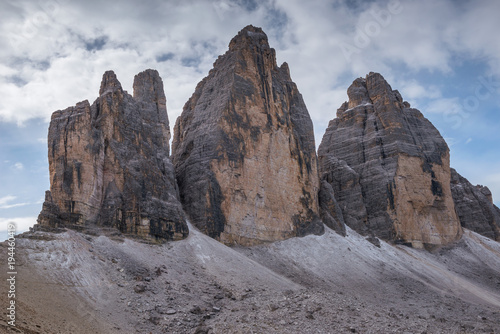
(77, 283)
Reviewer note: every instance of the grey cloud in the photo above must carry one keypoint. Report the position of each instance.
(96, 44)
(164, 57)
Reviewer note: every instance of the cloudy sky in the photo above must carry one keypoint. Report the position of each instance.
(443, 56)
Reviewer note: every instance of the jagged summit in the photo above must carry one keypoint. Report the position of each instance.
(249, 37)
(109, 83)
(148, 86)
(149, 94)
(370, 90)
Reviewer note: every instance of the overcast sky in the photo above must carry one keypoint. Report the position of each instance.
(443, 56)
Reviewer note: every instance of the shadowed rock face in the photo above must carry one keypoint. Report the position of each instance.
(109, 163)
(475, 208)
(244, 151)
(389, 168)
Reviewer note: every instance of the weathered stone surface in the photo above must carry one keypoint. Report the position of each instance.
(389, 168)
(475, 208)
(244, 151)
(346, 189)
(109, 163)
(330, 211)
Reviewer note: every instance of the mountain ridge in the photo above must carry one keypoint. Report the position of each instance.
(245, 227)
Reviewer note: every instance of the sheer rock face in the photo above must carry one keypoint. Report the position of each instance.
(389, 168)
(475, 208)
(244, 151)
(109, 163)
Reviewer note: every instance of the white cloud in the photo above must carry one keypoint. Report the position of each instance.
(56, 61)
(18, 166)
(444, 106)
(6, 199)
(5, 202)
(412, 90)
(22, 223)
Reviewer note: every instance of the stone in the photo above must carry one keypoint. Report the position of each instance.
(374, 241)
(109, 163)
(475, 208)
(389, 168)
(330, 211)
(244, 150)
(139, 288)
(202, 330)
(196, 310)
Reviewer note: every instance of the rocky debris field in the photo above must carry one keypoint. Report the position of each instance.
(79, 283)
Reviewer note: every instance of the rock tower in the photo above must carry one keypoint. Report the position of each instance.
(109, 163)
(244, 151)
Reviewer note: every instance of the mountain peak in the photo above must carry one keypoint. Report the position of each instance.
(371, 89)
(248, 37)
(109, 83)
(148, 87)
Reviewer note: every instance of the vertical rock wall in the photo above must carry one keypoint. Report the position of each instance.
(244, 151)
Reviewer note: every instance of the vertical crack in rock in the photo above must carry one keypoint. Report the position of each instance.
(109, 163)
(389, 168)
(244, 150)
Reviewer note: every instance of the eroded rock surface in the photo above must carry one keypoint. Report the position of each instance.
(109, 163)
(389, 168)
(244, 151)
(475, 208)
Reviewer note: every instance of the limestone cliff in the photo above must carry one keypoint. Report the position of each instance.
(109, 163)
(244, 151)
(389, 168)
(475, 207)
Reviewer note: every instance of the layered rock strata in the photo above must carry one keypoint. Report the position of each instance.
(244, 150)
(109, 163)
(475, 208)
(389, 168)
